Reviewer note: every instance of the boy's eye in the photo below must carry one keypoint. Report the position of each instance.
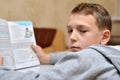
(83, 31)
(70, 30)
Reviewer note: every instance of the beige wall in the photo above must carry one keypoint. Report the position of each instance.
(47, 13)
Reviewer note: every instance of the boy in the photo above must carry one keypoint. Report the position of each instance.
(89, 24)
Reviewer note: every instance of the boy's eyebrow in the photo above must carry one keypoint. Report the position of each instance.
(78, 26)
(68, 26)
(82, 26)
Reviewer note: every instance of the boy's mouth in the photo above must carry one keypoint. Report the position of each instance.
(74, 48)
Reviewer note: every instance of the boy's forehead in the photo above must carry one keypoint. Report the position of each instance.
(82, 19)
(83, 15)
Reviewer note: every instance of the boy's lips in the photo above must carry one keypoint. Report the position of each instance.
(74, 48)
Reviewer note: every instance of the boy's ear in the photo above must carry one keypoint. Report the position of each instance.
(105, 36)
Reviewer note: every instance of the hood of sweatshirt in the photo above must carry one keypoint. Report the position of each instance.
(111, 53)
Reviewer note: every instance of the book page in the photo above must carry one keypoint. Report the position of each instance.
(22, 36)
(5, 45)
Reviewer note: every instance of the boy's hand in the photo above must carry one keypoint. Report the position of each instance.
(42, 56)
(1, 60)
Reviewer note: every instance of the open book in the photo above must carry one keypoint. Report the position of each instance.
(16, 38)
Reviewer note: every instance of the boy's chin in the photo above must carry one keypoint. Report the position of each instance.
(74, 50)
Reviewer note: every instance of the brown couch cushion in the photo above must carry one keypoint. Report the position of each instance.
(115, 40)
(44, 36)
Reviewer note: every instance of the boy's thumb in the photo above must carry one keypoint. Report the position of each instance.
(1, 60)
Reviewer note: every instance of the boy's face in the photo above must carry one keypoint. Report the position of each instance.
(83, 32)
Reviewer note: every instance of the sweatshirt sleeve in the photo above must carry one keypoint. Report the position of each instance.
(87, 64)
(54, 57)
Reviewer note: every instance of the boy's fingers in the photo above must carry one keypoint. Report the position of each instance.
(1, 60)
(36, 49)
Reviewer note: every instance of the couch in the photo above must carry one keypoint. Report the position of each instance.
(114, 40)
(51, 40)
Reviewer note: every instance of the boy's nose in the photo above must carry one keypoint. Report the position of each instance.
(73, 36)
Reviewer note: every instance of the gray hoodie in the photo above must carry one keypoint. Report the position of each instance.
(93, 63)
